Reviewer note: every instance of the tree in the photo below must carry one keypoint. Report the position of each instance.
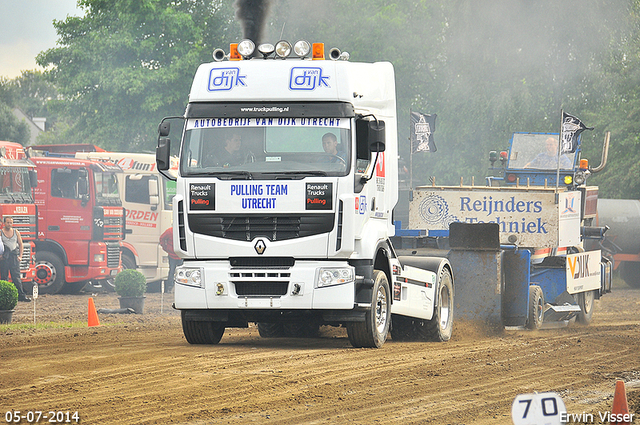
(125, 64)
(11, 129)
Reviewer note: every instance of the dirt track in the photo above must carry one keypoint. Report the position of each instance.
(140, 369)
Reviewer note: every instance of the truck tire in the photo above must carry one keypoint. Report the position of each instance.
(630, 273)
(536, 307)
(372, 333)
(197, 332)
(128, 262)
(49, 272)
(585, 301)
(440, 327)
(270, 330)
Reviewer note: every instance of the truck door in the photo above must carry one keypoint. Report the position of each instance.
(143, 216)
(68, 213)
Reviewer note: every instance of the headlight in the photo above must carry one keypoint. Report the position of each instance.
(334, 276)
(302, 48)
(189, 276)
(283, 49)
(98, 258)
(246, 48)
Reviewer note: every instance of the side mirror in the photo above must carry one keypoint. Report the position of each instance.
(163, 154)
(377, 136)
(164, 129)
(154, 199)
(33, 178)
(83, 182)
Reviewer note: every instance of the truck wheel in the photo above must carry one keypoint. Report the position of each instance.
(197, 332)
(440, 327)
(270, 330)
(128, 262)
(585, 301)
(373, 331)
(536, 307)
(49, 273)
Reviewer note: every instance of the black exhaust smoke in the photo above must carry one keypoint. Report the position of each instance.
(252, 15)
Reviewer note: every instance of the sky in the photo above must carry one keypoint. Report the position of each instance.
(26, 29)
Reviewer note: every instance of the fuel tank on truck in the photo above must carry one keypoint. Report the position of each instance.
(623, 218)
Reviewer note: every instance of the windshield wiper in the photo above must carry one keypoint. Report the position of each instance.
(230, 175)
(298, 174)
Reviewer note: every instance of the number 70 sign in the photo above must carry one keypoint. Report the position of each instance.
(538, 409)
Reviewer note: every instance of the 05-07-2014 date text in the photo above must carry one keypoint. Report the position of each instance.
(35, 416)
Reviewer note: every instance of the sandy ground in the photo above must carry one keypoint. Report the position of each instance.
(139, 369)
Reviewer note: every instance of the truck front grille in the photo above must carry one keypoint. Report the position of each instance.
(275, 227)
(25, 261)
(113, 255)
(261, 289)
(262, 283)
(26, 225)
(113, 228)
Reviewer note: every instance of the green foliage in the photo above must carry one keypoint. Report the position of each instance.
(125, 65)
(130, 283)
(8, 295)
(11, 128)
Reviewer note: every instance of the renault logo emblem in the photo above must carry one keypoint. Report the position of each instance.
(260, 246)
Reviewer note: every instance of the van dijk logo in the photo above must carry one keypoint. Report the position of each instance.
(303, 78)
(226, 79)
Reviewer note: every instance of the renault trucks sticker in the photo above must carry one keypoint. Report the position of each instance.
(319, 196)
(224, 79)
(307, 78)
(202, 196)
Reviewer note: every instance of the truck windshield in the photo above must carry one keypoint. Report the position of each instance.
(267, 147)
(107, 188)
(16, 185)
(538, 151)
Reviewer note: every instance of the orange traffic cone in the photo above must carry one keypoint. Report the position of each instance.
(93, 314)
(620, 409)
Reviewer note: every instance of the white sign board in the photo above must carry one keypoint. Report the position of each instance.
(531, 216)
(538, 409)
(583, 271)
(569, 204)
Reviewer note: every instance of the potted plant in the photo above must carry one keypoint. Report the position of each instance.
(8, 300)
(131, 285)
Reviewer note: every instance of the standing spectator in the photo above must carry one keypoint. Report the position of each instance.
(166, 242)
(11, 256)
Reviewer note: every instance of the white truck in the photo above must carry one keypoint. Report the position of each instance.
(275, 230)
(147, 197)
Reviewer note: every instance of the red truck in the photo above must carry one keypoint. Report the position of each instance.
(81, 223)
(17, 178)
